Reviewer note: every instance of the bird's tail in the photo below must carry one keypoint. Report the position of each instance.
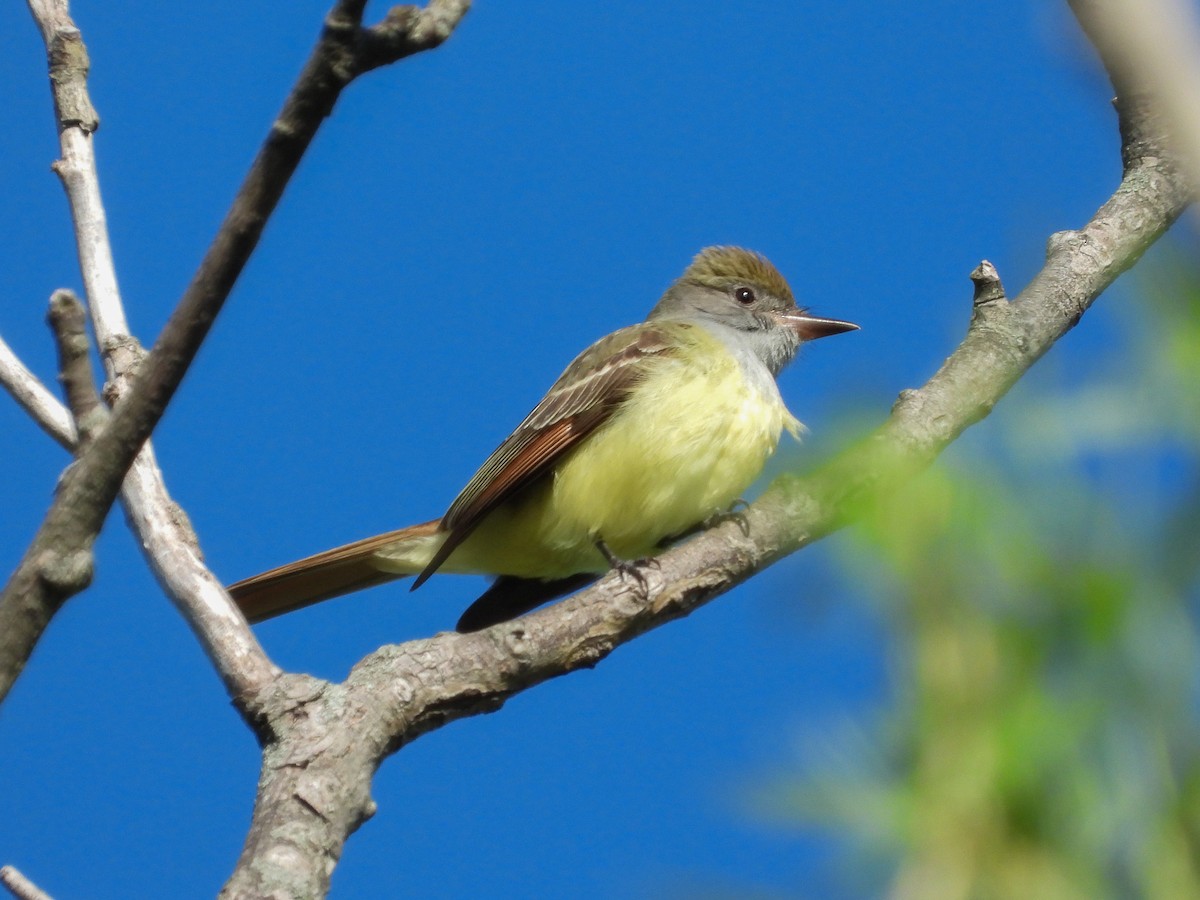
(341, 570)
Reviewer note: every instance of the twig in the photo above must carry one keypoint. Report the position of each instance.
(33, 397)
(173, 552)
(59, 562)
(67, 59)
(69, 323)
(171, 544)
(20, 886)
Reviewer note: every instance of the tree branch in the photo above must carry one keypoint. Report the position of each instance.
(33, 397)
(1151, 47)
(58, 562)
(67, 60)
(172, 550)
(19, 886)
(69, 322)
(163, 528)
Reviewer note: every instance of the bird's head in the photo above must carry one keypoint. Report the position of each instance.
(737, 289)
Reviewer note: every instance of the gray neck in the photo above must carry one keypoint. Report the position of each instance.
(760, 354)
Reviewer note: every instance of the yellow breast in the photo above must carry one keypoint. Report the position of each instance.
(688, 442)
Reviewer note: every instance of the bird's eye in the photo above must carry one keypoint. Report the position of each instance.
(744, 295)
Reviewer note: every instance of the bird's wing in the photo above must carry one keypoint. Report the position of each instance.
(584, 397)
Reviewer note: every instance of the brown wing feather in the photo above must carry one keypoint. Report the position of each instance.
(320, 577)
(583, 398)
(546, 445)
(537, 455)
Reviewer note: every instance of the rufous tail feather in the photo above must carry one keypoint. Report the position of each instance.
(323, 576)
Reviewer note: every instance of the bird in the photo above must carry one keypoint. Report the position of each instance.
(651, 432)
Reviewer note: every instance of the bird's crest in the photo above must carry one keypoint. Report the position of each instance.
(721, 267)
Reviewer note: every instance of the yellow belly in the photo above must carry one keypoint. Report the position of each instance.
(687, 444)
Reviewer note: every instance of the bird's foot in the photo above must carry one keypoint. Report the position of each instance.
(733, 514)
(628, 568)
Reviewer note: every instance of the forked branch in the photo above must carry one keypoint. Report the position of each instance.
(58, 562)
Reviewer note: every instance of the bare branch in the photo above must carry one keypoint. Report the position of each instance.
(167, 538)
(33, 397)
(67, 59)
(324, 741)
(20, 886)
(173, 552)
(1152, 47)
(58, 562)
(406, 30)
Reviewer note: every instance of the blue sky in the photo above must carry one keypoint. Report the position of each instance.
(463, 225)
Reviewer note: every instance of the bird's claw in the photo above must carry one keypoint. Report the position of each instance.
(733, 514)
(629, 568)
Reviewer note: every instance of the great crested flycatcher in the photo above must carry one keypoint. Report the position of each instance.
(650, 432)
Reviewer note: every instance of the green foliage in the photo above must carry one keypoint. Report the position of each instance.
(1043, 593)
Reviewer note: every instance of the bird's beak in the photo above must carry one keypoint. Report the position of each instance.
(809, 328)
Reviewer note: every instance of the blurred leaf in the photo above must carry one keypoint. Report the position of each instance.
(1043, 594)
